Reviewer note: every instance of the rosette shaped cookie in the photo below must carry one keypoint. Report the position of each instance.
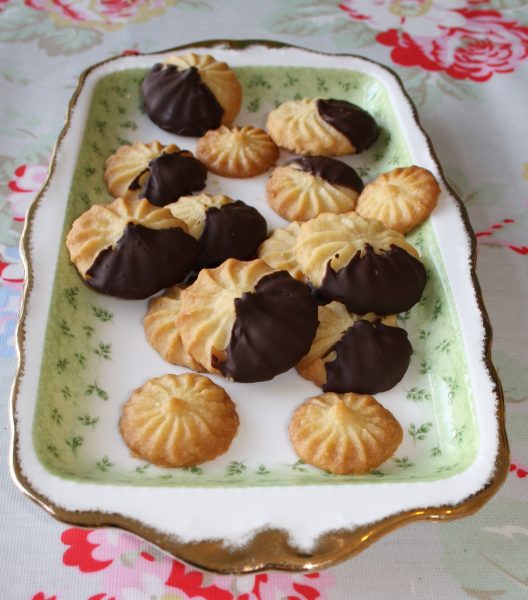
(278, 251)
(162, 332)
(353, 353)
(179, 421)
(322, 127)
(344, 434)
(159, 173)
(224, 228)
(247, 321)
(310, 185)
(360, 263)
(238, 152)
(191, 94)
(130, 248)
(401, 199)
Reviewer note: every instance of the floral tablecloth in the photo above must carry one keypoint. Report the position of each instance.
(465, 64)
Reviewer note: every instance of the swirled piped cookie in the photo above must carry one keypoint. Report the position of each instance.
(130, 248)
(247, 321)
(365, 354)
(179, 420)
(162, 332)
(360, 263)
(401, 199)
(310, 185)
(224, 228)
(238, 151)
(278, 251)
(322, 127)
(159, 173)
(344, 433)
(191, 94)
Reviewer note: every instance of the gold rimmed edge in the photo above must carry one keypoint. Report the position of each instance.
(267, 549)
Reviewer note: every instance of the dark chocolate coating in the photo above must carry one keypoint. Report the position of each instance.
(386, 283)
(356, 124)
(172, 176)
(273, 330)
(370, 358)
(179, 102)
(143, 262)
(134, 184)
(331, 170)
(234, 230)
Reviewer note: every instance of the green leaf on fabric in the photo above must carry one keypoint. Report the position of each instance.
(21, 24)
(415, 81)
(304, 18)
(455, 88)
(514, 377)
(69, 40)
(486, 553)
(501, 4)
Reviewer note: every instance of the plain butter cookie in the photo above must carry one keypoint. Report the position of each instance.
(237, 152)
(344, 434)
(401, 199)
(179, 421)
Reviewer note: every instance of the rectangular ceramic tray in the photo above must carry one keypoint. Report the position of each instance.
(82, 353)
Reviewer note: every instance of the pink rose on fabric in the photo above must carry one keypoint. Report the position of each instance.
(445, 36)
(270, 586)
(133, 569)
(488, 44)
(26, 182)
(100, 14)
(413, 17)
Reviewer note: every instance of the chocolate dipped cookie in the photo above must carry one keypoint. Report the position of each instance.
(161, 174)
(310, 185)
(247, 321)
(130, 248)
(224, 228)
(322, 127)
(360, 263)
(190, 94)
(365, 354)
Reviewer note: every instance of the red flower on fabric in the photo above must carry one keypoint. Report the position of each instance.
(24, 185)
(487, 238)
(487, 45)
(100, 14)
(190, 582)
(42, 596)
(448, 37)
(79, 553)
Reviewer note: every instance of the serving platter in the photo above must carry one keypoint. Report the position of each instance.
(257, 506)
